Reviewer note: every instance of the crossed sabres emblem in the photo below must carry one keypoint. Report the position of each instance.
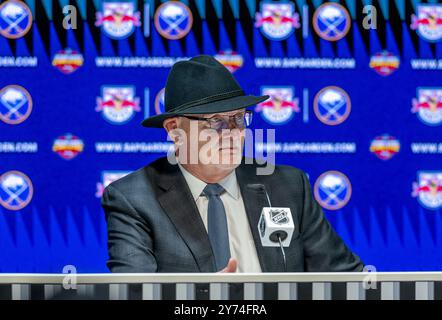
(173, 15)
(174, 25)
(333, 110)
(14, 99)
(21, 12)
(335, 104)
(14, 184)
(335, 20)
(333, 195)
(336, 190)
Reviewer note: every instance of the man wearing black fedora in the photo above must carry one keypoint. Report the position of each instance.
(195, 211)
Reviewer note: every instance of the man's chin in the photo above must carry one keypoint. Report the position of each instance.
(228, 159)
(231, 158)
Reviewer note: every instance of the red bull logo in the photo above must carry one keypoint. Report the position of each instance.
(385, 147)
(280, 107)
(428, 22)
(428, 189)
(384, 63)
(230, 59)
(277, 20)
(68, 61)
(428, 106)
(118, 19)
(118, 104)
(68, 146)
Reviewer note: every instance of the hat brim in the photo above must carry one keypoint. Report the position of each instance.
(225, 105)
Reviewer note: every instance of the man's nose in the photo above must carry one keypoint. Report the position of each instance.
(231, 132)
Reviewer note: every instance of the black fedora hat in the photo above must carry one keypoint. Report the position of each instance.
(201, 85)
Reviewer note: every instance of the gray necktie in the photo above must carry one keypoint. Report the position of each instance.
(217, 225)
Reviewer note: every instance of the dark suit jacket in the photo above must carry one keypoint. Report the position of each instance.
(154, 224)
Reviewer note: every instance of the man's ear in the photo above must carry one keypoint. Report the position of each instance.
(171, 125)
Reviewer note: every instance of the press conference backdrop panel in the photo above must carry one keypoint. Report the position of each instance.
(356, 102)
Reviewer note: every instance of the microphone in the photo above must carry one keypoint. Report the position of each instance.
(275, 225)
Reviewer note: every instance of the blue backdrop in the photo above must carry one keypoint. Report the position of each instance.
(356, 103)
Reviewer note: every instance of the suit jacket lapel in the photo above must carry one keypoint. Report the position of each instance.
(176, 199)
(254, 200)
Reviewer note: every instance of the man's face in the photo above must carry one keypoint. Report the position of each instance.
(214, 141)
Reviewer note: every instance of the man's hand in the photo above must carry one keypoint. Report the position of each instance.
(231, 266)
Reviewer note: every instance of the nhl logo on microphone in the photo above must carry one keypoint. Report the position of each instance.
(279, 216)
(275, 222)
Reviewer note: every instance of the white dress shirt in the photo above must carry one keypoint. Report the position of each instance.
(241, 243)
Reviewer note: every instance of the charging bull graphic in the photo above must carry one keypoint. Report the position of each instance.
(118, 19)
(277, 20)
(428, 189)
(428, 22)
(428, 106)
(118, 104)
(280, 107)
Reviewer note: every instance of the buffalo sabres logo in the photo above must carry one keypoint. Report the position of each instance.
(118, 19)
(428, 106)
(332, 190)
(173, 20)
(107, 177)
(159, 102)
(230, 59)
(118, 104)
(332, 105)
(331, 21)
(16, 190)
(279, 216)
(385, 146)
(428, 189)
(15, 104)
(15, 19)
(68, 146)
(277, 21)
(428, 22)
(280, 107)
(384, 63)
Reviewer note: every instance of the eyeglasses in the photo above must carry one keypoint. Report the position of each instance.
(218, 122)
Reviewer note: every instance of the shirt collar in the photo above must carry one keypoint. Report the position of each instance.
(196, 186)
